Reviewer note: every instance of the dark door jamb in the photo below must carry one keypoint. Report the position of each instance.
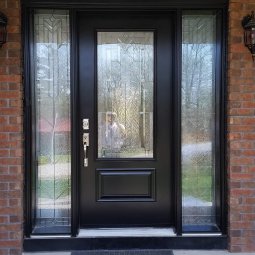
(27, 6)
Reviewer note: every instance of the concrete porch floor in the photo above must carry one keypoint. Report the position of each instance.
(176, 252)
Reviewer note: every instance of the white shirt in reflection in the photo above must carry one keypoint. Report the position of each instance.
(114, 136)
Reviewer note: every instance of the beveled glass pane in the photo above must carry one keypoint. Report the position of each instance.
(52, 121)
(125, 80)
(198, 119)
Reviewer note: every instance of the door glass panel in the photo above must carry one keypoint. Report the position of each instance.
(198, 120)
(125, 80)
(52, 180)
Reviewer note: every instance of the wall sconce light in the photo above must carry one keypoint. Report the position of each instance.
(3, 30)
(248, 24)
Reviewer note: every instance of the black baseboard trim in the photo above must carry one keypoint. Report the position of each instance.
(117, 243)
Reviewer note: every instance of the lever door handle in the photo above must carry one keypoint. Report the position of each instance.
(85, 147)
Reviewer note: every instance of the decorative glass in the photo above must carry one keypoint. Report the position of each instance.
(125, 84)
(198, 119)
(52, 121)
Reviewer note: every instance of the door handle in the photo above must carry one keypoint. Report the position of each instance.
(85, 147)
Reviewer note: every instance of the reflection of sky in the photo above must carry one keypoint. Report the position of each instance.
(125, 63)
(53, 65)
(198, 75)
(121, 70)
(59, 53)
(198, 60)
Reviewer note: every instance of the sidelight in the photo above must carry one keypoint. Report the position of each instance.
(198, 121)
(125, 80)
(51, 178)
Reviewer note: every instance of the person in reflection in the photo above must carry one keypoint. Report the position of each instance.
(114, 134)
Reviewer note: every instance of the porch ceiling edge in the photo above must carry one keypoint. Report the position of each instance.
(125, 3)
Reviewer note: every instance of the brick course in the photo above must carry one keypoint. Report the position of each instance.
(11, 149)
(241, 133)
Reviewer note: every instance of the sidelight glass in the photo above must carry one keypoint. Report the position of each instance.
(198, 120)
(125, 85)
(52, 173)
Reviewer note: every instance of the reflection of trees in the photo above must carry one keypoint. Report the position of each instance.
(52, 109)
(125, 85)
(53, 93)
(53, 81)
(197, 91)
(198, 81)
(198, 100)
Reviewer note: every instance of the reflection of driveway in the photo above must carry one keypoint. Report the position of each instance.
(195, 149)
(54, 171)
(60, 203)
(190, 201)
(63, 170)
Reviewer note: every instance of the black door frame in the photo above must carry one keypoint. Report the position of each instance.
(123, 5)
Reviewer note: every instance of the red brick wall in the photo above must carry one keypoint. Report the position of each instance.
(11, 170)
(241, 132)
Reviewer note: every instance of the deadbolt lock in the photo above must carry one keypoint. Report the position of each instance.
(85, 124)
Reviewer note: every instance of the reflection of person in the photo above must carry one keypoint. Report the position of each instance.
(114, 132)
(111, 135)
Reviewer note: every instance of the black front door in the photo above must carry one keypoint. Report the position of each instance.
(125, 101)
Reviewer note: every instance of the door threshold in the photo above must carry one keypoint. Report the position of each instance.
(126, 232)
(125, 242)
